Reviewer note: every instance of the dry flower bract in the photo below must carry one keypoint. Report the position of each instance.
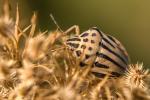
(40, 67)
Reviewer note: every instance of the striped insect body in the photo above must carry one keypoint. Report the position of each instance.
(103, 52)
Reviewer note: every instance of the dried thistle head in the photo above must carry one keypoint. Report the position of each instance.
(34, 49)
(45, 69)
(140, 94)
(135, 76)
(6, 26)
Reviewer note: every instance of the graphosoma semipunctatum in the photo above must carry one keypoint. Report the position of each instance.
(104, 52)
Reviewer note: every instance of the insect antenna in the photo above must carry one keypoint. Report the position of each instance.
(55, 22)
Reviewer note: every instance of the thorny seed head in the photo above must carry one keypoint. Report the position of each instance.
(135, 76)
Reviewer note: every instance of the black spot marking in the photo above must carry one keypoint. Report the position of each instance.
(92, 41)
(100, 43)
(78, 52)
(97, 64)
(83, 46)
(74, 39)
(85, 40)
(115, 74)
(100, 75)
(87, 56)
(93, 34)
(82, 64)
(97, 53)
(94, 28)
(110, 59)
(84, 34)
(73, 45)
(90, 48)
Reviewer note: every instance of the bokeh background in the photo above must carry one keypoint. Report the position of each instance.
(127, 20)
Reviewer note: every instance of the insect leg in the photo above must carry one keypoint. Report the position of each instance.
(74, 27)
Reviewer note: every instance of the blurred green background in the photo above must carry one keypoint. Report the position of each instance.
(127, 20)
